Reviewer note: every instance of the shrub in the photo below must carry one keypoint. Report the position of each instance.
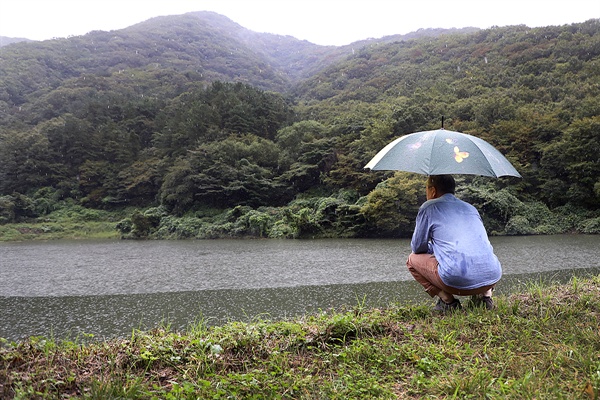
(124, 226)
(519, 225)
(178, 228)
(215, 231)
(87, 214)
(141, 224)
(391, 208)
(589, 226)
(282, 230)
(46, 200)
(257, 223)
(16, 208)
(496, 207)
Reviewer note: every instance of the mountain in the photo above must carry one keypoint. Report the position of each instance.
(205, 45)
(195, 111)
(516, 63)
(5, 41)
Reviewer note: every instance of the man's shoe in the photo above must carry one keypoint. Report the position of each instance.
(444, 307)
(488, 302)
(483, 301)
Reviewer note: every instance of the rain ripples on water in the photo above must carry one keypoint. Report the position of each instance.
(107, 288)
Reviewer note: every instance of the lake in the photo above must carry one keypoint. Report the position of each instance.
(107, 288)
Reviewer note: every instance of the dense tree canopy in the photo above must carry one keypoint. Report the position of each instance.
(193, 113)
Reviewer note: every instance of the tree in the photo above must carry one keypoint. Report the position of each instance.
(206, 115)
(26, 163)
(16, 208)
(573, 159)
(140, 182)
(235, 171)
(291, 138)
(391, 209)
(69, 141)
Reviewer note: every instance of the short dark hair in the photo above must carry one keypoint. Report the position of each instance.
(442, 183)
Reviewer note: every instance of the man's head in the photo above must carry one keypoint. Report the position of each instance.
(439, 185)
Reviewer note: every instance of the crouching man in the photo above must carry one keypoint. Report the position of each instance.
(451, 253)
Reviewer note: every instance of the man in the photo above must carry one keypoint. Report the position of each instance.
(451, 253)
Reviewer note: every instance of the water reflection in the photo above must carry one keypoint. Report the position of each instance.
(268, 279)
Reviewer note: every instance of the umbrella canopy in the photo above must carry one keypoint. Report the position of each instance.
(442, 152)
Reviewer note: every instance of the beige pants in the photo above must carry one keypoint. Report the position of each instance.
(424, 268)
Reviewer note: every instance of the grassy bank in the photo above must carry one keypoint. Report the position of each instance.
(544, 343)
(66, 222)
(58, 230)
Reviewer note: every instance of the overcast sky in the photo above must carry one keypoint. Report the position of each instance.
(325, 22)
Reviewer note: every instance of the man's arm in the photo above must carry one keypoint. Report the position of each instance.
(420, 239)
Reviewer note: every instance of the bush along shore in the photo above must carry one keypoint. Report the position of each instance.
(342, 216)
(542, 343)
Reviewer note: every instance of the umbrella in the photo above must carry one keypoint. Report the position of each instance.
(442, 152)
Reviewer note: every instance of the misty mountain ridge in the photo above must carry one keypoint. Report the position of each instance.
(5, 40)
(203, 46)
(225, 24)
(272, 61)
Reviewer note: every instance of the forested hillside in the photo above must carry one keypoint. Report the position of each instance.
(199, 127)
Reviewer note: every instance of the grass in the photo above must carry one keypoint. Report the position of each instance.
(67, 222)
(58, 230)
(542, 343)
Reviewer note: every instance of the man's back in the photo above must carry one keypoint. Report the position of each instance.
(459, 242)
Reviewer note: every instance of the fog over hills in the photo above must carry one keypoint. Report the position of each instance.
(204, 45)
(216, 43)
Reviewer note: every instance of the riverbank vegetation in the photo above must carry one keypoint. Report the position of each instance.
(542, 343)
(268, 137)
(341, 215)
(67, 220)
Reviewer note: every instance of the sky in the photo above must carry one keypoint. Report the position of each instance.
(324, 22)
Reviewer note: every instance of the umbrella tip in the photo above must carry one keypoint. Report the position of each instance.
(442, 122)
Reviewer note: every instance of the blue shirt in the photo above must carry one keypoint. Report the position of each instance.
(453, 231)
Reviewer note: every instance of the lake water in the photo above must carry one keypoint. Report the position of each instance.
(108, 288)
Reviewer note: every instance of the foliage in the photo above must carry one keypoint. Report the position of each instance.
(16, 208)
(60, 219)
(574, 159)
(232, 120)
(391, 208)
(591, 225)
(490, 84)
(314, 217)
